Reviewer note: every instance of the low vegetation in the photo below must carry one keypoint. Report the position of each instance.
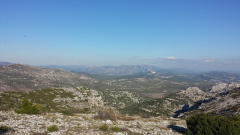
(104, 127)
(67, 112)
(44, 97)
(52, 128)
(204, 124)
(4, 129)
(103, 115)
(27, 107)
(156, 107)
(116, 129)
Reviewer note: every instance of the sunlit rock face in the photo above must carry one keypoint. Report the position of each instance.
(223, 87)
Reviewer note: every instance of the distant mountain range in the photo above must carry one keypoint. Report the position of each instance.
(124, 69)
(67, 68)
(3, 63)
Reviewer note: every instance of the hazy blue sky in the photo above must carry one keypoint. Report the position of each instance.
(201, 34)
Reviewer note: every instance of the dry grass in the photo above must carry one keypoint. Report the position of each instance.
(125, 118)
(36, 133)
(146, 116)
(154, 119)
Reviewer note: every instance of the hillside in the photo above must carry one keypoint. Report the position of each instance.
(18, 77)
(217, 99)
(84, 97)
(75, 111)
(127, 88)
(84, 103)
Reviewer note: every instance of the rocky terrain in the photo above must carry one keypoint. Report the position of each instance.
(17, 77)
(82, 104)
(82, 124)
(220, 97)
(71, 102)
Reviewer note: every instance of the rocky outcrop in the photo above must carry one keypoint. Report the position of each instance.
(223, 87)
(221, 96)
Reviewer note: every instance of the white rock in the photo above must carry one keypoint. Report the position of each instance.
(108, 122)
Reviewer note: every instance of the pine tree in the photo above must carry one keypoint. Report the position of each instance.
(27, 107)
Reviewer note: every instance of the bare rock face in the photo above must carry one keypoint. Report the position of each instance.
(193, 91)
(195, 94)
(223, 87)
(220, 99)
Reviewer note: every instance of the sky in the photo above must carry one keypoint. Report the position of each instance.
(192, 34)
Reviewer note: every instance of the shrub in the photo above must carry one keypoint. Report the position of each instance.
(67, 112)
(4, 129)
(104, 127)
(145, 115)
(235, 108)
(200, 124)
(105, 116)
(52, 128)
(86, 109)
(116, 129)
(27, 107)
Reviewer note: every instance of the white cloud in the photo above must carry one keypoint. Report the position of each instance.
(208, 61)
(171, 58)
